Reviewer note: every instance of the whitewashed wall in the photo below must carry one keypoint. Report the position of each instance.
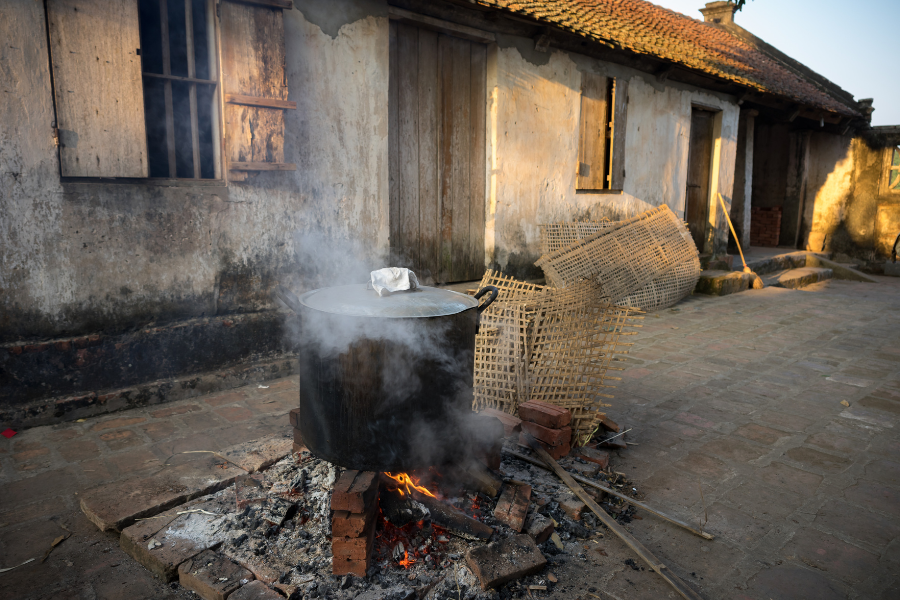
(534, 111)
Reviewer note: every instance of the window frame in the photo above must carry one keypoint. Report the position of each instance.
(220, 178)
(613, 126)
(890, 168)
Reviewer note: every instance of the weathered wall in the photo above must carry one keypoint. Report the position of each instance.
(829, 188)
(110, 258)
(534, 108)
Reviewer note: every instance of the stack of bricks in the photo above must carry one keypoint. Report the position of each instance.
(354, 504)
(765, 226)
(549, 424)
(295, 425)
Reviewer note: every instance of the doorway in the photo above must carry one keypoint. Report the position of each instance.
(697, 199)
(436, 141)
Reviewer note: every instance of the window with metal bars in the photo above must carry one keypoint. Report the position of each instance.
(893, 171)
(179, 71)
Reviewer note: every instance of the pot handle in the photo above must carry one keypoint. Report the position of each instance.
(494, 293)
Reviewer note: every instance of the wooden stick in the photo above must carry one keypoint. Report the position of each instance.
(677, 584)
(613, 492)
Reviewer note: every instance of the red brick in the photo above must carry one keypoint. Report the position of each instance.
(609, 424)
(175, 410)
(235, 413)
(511, 423)
(513, 505)
(298, 437)
(80, 450)
(557, 452)
(354, 491)
(544, 414)
(294, 416)
(116, 423)
(551, 437)
(593, 455)
(350, 525)
(211, 575)
(349, 567)
(507, 560)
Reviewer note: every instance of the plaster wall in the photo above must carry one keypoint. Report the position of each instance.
(829, 189)
(80, 257)
(533, 147)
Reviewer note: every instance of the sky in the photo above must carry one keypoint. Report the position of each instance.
(854, 43)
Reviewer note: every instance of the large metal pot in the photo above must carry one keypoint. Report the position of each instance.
(383, 379)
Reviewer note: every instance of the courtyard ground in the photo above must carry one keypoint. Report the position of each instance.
(780, 406)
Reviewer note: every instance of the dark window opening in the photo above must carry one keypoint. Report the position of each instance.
(177, 61)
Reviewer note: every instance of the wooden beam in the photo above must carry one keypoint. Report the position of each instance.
(261, 102)
(261, 166)
(654, 563)
(285, 4)
(469, 33)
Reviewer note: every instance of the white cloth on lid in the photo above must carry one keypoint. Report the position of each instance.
(393, 279)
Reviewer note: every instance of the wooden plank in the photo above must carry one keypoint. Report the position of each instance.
(393, 145)
(592, 138)
(477, 162)
(445, 62)
(167, 89)
(620, 122)
(261, 102)
(261, 166)
(192, 91)
(99, 94)
(408, 130)
(429, 233)
(460, 113)
(654, 563)
(283, 4)
(253, 62)
(439, 25)
(696, 211)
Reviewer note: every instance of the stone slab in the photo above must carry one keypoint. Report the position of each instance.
(181, 539)
(212, 576)
(498, 563)
(259, 454)
(116, 505)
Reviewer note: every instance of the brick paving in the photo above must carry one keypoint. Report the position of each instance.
(739, 396)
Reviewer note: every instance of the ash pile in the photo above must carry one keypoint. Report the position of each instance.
(501, 527)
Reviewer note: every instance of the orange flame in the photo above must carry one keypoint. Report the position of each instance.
(407, 482)
(406, 561)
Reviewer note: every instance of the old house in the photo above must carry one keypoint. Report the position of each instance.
(165, 163)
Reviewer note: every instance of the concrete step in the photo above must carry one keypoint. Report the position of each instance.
(722, 283)
(797, 278)
(781, 262)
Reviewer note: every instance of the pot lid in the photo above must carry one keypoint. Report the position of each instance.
(357, 301)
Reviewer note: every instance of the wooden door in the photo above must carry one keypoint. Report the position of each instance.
(437, 153)
(699, 161)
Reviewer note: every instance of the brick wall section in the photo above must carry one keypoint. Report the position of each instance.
(765, 226)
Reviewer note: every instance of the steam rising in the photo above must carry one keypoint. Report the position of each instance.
(392, 377)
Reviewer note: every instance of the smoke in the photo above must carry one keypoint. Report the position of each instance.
(380, 392)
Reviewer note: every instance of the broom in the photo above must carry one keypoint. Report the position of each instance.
(757, 280)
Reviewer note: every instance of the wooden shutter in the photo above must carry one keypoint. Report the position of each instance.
(255, 85)
(594, 127)
(99, 95)
(619, 121)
